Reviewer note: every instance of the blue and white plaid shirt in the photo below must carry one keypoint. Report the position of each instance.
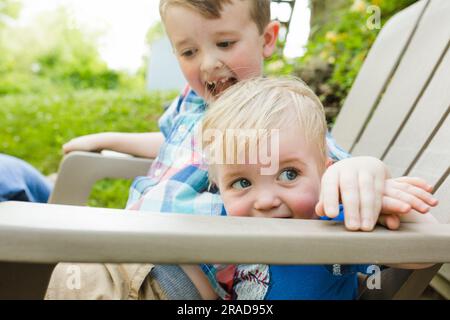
(178, 178)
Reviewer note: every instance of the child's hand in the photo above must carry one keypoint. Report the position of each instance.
(359, 183)
(401, 195)
(404, 194)
(84, 143)
(363, 186)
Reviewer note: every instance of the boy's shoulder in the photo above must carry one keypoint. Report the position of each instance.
(187, 89)
(186, 110)
(189, 100)
(188, 93)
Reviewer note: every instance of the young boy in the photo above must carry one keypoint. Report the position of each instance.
(286, 115)
(218, 43)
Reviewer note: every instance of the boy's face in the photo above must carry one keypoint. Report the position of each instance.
(292, 192)
(214, 54)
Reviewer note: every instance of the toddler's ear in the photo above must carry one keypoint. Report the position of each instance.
(270, 38)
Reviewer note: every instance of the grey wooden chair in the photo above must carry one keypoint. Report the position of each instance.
(397, 110)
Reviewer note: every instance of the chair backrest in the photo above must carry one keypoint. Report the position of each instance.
(398, 106)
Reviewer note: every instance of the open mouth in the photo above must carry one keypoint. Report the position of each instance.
(217, 87)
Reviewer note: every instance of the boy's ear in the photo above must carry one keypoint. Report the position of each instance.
(270, 38)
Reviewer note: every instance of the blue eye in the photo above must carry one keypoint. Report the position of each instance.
(288, 175)
(241, 184)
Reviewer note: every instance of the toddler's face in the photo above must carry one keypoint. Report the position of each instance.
(292, 192)
(214, 54)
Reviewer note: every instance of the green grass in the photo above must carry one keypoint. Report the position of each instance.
(34, 127)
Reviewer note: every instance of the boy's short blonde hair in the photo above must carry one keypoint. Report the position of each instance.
(266, 104)
(211, 9)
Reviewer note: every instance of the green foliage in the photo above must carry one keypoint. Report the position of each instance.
(54, 86)
(337, 49)
(278, 64)
(8, 9)
(34, 126)
(110, 193)
(73, 58)
(18, 82)
(54, 53)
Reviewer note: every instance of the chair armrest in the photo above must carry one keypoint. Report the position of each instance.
(42, 233)
(79, 171)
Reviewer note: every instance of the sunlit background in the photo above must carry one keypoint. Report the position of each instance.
(123, 24)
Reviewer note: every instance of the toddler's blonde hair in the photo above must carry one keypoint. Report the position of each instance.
(265, 104)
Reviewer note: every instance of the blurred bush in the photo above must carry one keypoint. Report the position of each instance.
(54, 53)
(54, 86)
(35, 126)
(336, 50)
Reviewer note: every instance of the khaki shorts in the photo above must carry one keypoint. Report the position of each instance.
(103, 282)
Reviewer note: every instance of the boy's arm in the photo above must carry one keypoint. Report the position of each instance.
(145, 145)
(200, 281)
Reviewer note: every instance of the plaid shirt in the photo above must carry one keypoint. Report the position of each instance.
(178, 178)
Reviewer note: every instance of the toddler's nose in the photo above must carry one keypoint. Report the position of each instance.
(267, 200)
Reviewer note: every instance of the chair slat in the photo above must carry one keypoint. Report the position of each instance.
(434, 162)
(442, 212)
(430, 111)
(433, 165)
(441, 283)
(420, 60)
(388, 48)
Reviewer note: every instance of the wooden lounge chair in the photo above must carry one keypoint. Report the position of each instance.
(397, 110)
